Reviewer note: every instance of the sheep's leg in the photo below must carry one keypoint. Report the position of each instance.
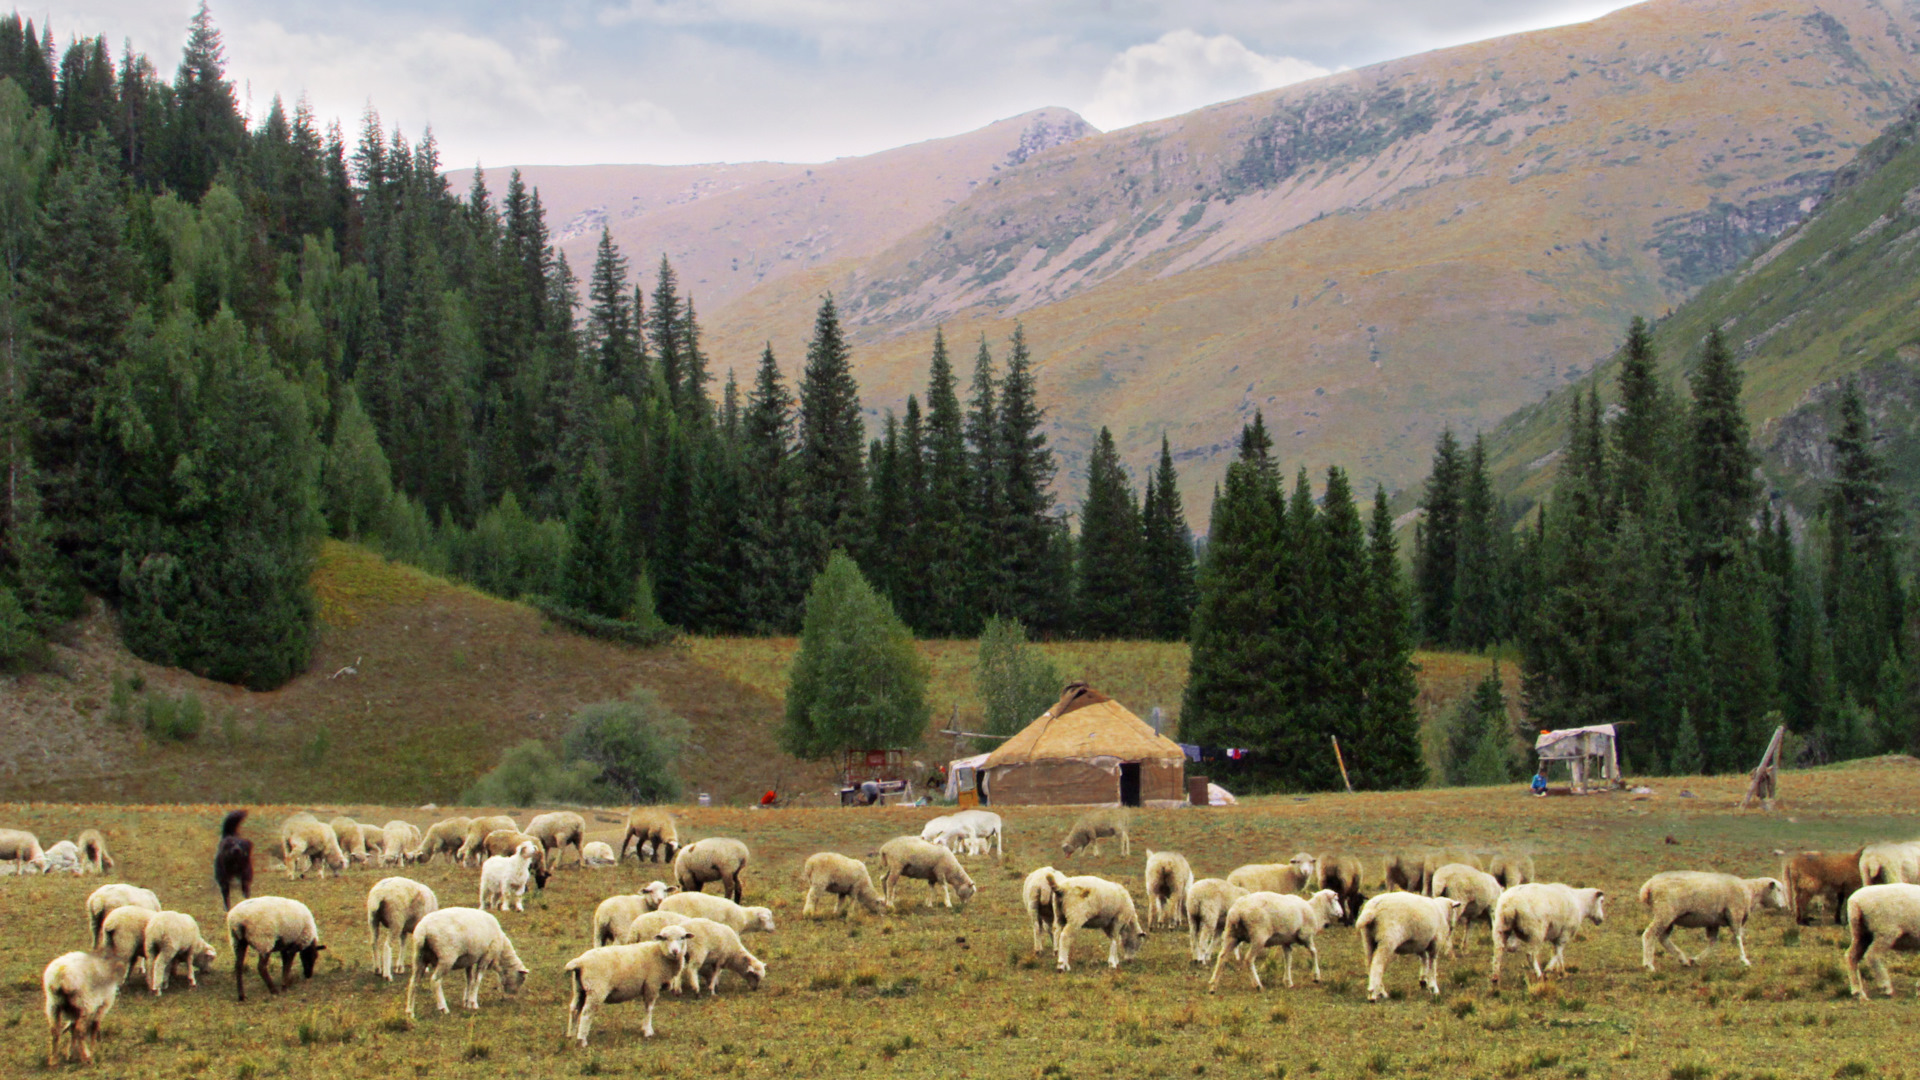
(1113, 949)
(806, 909)
(157, 972)
(1064, 962)
(1214, 983)
(192, 979)
(438, 979)
(1038, 947)
(1126, 844)
(240, 969)
(652, 994)
(1713, 938)
(1314, 948)
(54, 1025)
(266, 973)
(475, 977)
(946, 892)
(1740, 939)
(583, 1019)
(1877, 956)
(1377, 970)
(1287, 952)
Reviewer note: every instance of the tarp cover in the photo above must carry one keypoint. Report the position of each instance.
(1074, 751)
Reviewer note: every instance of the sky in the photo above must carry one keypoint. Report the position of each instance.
(573, 82)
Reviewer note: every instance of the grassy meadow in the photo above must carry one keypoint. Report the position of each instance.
(928, 992)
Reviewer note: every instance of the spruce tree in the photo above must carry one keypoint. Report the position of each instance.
(1167, 555)
(665, 335)
(773, 551)
(832, 484)
(611, 335)
(913, 600)
(1110, 574)
(207, 128)
(1028, 534)
(1866, 600)
(1389, 728)
(990, 578)
(1722, 491)
(945, 518)
(1436, 569)
(598, 578)
(881, 559)
(1641, 432)
(1478, 619)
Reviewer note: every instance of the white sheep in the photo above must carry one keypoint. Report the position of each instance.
(912, 857)
(1543, 915)
(122, 935)
(721, 910)
(269, 925)
(473, 843)
(504, 876)
(648, 926)
(305, 839)
(1099, 904)
(711, 948)
(80, 988)
(983, 827)
(374, 839)
(441, 837)
(598, 854)
(397, 839)
(651, 834)
(1511, 868)
(1092, 826)
(463, 939)
(395, 906)
(557, 831)
(64, 858)
(1287, 877)
(1880, 864)
(1404, 923)
(23, 850)
(615, 912)
(1168, 876)
(1043, 908)
(829, 873)
(1477, 891)
(173, 937)
(1880, 919)
(352, 838)
(1703, 901)
(1258, 921)
(717, 858)
(108, 897)
(1208, 901)
(93, 851)
(614, 973)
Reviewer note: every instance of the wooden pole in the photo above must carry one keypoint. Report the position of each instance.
(1342, 762)
(1766, 776)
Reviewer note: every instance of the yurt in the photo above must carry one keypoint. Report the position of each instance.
(1086, 749)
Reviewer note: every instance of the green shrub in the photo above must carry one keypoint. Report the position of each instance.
(532, 773)
(19, 644)
(634, 743)
(168, 719)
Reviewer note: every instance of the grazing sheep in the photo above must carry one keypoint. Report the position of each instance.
(652, 834)
(353, 840)
(1880, 864)
(1477, 891)
(1511, 869)
(504, 876)
(1406, 872)
(233, 859)
(1043, 908)
(1287, 877)
(558, 831)
(269, 925)
(395, 906)
(397, 839)
(717, 858)
(456, 939)
(472, 844)
(442, 837)
(615, 973)
(1402, 923)
(80, 988)
(64, 858)
(93, 851)
(1208, 901)
(912, 857)
(615, 912)
(1707, 902)
(829, 873)
(374, 838)
(1098, 904)
(712, 948)
(123, 935)
(304, 840)
(1542, 916)
(984, 825)
(648, 926)
(598, 854)
(1341, 873)
(174, 937)
(108, 897)
(1261, 920)
(1091, 826)
(23, 850)
(1167, 879)
(721, 910)
(508, 841)
(1813, 875)
(1880, 919)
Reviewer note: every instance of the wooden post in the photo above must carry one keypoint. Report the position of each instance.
(1766, 778)
(1342, 762)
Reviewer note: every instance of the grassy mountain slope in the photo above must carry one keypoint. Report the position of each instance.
(1366, 257)
(1835, 297)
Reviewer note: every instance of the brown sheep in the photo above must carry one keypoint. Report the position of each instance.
(652, 835)
(1341, 873)
(1831, 876)
(1406, 873)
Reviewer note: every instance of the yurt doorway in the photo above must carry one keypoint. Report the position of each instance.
(1130, 783)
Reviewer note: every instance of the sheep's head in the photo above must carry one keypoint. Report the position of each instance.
(1328, 902)
(756, 972)
(653, 892)
(965, 888)
(513, 977)
(1131, 935)
(528, 850)
(1305, 864)
(203, 956)
(759, 918)
(1597, 914)
(1770, 893)
(336, 858)
(1075, 840)
(308, 956)
(673, 942)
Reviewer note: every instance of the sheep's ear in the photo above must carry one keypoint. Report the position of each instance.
(319, 948)
(671, 889)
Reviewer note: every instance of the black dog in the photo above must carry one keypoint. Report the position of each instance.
(233, 861)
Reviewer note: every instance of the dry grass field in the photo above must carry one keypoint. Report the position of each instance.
(927, 992)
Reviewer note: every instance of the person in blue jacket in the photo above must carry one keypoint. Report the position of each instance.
(1540, 784)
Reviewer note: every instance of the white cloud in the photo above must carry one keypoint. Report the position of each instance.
(1184, 70)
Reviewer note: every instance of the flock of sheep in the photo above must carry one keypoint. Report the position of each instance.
(669, 936)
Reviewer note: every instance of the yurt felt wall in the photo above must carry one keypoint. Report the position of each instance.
(1076, 752)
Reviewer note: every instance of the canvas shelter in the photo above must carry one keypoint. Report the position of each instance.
(1086, 749)
(1586, 750)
